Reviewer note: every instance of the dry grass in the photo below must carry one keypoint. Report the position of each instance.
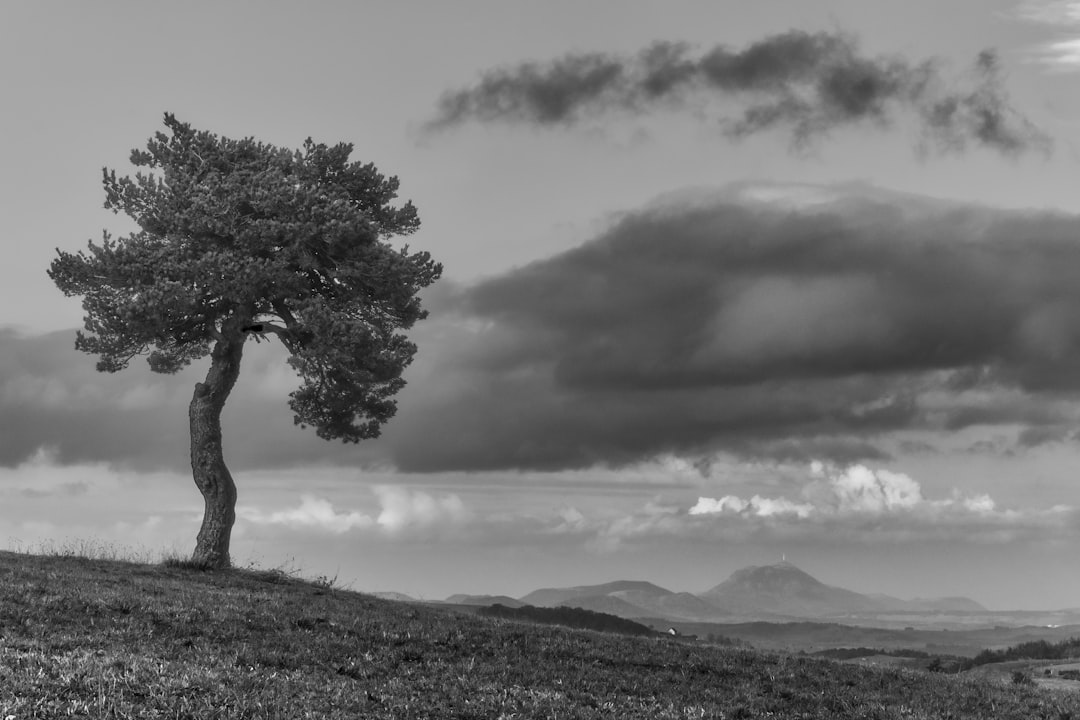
(105, 638)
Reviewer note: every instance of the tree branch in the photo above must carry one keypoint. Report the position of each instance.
(284, 313)
(261, 328)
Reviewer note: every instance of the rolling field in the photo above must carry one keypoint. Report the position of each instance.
(108, 639)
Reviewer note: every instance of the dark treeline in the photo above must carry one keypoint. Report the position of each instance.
(860, 652)
(1033, 650)
(569, 617)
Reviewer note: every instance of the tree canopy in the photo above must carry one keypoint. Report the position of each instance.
(239, 239)
(239, 235)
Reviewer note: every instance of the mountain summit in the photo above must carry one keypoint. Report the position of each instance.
(783, 589)
(768, 592)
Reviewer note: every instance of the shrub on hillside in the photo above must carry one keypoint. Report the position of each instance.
(1033, 650)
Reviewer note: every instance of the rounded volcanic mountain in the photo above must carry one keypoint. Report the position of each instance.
(783, 589)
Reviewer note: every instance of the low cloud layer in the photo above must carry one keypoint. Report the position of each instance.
(52, 397)
(852, 504)
(808, 84)
(762, 322)
(778, 322)
(833, 506)
(1063, 52)
(401, 510)
(854, 491)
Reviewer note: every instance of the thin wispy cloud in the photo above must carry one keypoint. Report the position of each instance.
(1063, 52)
(853, 491)
(838, 504)
(404, 509)
(400, 511)
(49, 503)
(312, 513)
(41, 477)
(1051, 12)
(807, 84)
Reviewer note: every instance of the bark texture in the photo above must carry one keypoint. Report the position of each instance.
(208, 468)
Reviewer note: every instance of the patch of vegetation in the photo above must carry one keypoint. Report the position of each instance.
(186, 563)
(579, 618)
(1034, 650)
(717, 639)
(1019, 677)
(109, 639)
(88, 548)
(860, 652)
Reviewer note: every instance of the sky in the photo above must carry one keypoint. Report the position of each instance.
(723, 282)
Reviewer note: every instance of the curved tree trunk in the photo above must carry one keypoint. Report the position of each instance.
(207, 460)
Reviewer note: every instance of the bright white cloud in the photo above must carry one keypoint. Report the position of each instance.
(714, 506)
(850, 491)
(828, 504)
(399, 509)
(403, 508)
(981, 504)
(860, 489)
(571, 521)
(756, 506)
(854, 490)
(313, 512)
(840, 501)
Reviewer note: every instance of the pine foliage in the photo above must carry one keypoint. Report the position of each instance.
(242, 238)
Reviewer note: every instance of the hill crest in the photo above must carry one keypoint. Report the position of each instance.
(778, 591)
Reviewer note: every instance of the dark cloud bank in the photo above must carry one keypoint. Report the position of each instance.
(807, 83)
(771, 322)
(52, 398)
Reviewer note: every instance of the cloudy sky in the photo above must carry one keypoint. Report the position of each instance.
(723, 281)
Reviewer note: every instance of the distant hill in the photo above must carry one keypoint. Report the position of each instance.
(952, 604)
(785, 590)
(606, 604)
(570, 617)
(625, 598)
(553, 597)
(671, 605)
(484, 600)
(776, 592)
(389, 595)
(240, 641)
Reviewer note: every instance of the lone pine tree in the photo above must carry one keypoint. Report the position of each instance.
(239, 239)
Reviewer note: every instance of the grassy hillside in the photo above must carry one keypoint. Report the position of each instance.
(106, 639)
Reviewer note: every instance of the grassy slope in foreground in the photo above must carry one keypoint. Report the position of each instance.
(93, 638)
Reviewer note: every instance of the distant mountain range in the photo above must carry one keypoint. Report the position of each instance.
(390, 595)
(775, 592)
(625, 598)
(785, 590)
(504, 600)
